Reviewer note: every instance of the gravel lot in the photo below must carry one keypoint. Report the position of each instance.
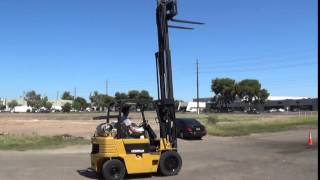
(282, 155)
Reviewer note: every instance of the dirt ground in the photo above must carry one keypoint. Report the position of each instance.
(267, 156)
(81, 124)
(56, 124)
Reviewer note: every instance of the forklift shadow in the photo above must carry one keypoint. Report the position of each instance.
(88, 173)
(191, 139)
(139, 176)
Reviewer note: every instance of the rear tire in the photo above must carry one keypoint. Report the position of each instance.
(170, 163)
(113, 169)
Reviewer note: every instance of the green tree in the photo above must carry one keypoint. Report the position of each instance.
(66, 108)
(2, 107)
(96, 99)
(12, 104)
(249, 90)
(80, 104)
(133, 94)
(224, 89)
(48, 105)
(107, 100)
(67, 96)
(33, 99)
(119, 96)
(100, 100)
(45, 103)
(144, 95)
(262, 96)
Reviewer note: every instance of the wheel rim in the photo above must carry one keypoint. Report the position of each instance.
(172, 164)
(115, 171)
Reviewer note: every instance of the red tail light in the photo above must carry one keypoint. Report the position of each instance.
(189, 129)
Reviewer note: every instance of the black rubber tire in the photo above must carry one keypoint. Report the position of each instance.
(170, 163)
(113, 169)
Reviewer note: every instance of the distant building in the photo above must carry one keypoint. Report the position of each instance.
(182, 106)
(60, 102)
(290, 103)
(279, 98)
(310, 104)
(56, 104)
(20, 101)
(191, 106)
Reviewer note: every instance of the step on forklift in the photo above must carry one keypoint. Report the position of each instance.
(114, 153)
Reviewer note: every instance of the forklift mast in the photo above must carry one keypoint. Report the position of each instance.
(166, 10)
(165, 105)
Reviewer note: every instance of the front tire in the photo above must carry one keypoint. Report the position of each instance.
(113, 169)
(170, 163)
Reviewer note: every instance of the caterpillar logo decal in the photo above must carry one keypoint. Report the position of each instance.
(137, 148)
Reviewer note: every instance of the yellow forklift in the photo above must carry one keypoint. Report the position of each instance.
(114, 153)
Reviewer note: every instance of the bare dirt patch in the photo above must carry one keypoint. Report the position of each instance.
(81, 124)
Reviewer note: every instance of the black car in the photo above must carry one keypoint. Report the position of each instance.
(190, 128)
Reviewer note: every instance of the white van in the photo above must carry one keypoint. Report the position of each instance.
(21, 109)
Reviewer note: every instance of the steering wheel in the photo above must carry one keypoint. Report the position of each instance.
(140, 125)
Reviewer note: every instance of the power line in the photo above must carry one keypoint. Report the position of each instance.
(114, 83)
(251, 69)
(285, 60)
(257, 59)
(292, 53)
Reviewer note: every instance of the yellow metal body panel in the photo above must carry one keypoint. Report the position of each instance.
(110, 148)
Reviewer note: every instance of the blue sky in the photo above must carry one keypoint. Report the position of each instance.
(52, 46)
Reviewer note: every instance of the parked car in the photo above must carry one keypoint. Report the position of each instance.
(193, 109)
(190, 128)
(281, 110)
(272, 110)
(44, 111)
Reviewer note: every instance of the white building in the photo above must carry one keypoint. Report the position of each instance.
(192, 106)
(57, 104)
(278, 98)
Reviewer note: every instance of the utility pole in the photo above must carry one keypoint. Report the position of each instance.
(57, 95)
(107, 87)
(198, 110)
(75, 93)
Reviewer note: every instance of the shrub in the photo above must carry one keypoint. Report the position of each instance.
(213, 119)
(66, 108)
